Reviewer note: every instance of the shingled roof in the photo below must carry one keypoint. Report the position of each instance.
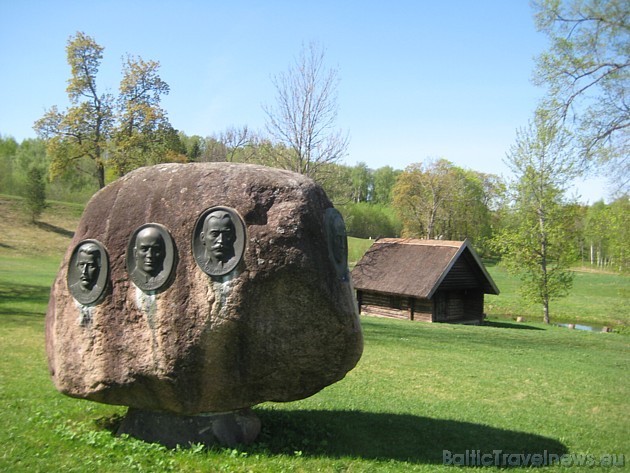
(417, 268)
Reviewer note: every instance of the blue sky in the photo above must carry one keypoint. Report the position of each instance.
(419, 79)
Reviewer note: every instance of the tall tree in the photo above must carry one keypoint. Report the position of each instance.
(437, 199)
(587, 72)
(142, 124)
(131, 130)
(361, 178)
(419, 193)
(303, 118)
(607, 234)
(35, 193)
(8, 149)
(384, 180)
(81, 132)
(535, 245)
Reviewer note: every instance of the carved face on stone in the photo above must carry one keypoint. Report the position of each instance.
(89, 264)
(218, 236)
(218, 240)
(88, 272)
(149, 251)
(151, 257)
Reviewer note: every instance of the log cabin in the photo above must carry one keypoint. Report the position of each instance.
(424, 280)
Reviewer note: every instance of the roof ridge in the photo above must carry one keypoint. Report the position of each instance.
(419, 241)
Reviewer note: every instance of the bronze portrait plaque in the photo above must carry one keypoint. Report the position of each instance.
(88, 272)
(337, 241)
(218, 240)
(151, 257)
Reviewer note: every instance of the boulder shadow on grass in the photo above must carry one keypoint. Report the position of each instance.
(383, 436)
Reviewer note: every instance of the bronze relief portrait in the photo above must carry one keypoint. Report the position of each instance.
(337, 241)
(88, 272)
(151, 257)
(218, 240)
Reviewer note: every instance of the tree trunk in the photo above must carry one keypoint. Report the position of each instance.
(546, 310)
(100, 174)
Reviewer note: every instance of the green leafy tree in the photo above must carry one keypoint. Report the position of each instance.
(420, 193)
(537, 244)
(303, 118)
(81, 133)
(607, 234)
(439, 200)
(8, 149)
(586, 71)
(99, 131)
(35, 193)
(338, 184)
(384, 179)
(361, 180)
(140, 135)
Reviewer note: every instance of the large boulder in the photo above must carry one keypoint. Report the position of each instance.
(273, 318)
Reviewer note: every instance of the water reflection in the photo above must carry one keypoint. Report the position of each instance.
(588, 328)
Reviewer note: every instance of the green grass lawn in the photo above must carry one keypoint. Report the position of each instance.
(596, 299)
(419, 390)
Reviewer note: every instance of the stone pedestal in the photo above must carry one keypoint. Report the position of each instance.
(227, 429)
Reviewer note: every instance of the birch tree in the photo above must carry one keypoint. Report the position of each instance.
(537, 244)
(586, 71)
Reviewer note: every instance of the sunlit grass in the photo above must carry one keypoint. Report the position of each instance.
(419, 389)
(597, 299)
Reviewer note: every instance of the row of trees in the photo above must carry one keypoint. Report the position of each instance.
(430, 199)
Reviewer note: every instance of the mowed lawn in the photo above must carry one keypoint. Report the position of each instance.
(420, 393)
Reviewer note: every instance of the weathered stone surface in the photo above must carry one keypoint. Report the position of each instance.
(227, 429)
(281, 326)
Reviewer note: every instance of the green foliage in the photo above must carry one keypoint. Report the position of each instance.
(440, 200)
(534, 244)
(384, 179)
(143, 135)
(35, 198)
(607, 234)
(586, 71)
(365, 220)
(98, 130)
(8, 148)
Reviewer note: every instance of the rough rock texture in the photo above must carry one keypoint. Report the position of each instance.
(228, 429)
(280, 327)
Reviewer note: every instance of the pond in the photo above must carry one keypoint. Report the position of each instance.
(588, 328)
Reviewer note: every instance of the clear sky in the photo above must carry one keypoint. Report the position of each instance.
(420, 79)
